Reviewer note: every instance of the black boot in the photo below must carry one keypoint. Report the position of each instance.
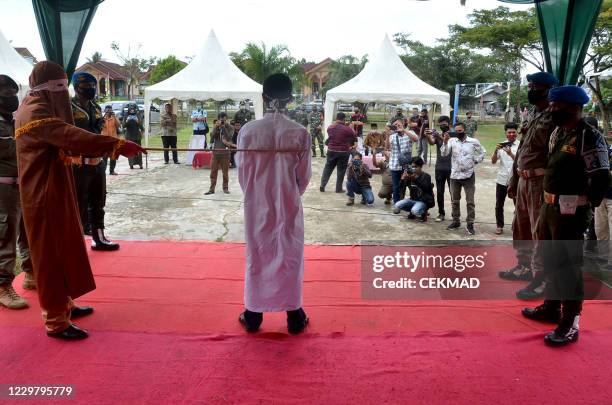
(99, 242)
(296, 321)
(251, 320)
(568, 330)
(549, 311)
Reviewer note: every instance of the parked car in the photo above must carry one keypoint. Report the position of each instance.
(154, 114)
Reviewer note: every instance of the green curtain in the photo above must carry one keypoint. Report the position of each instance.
(566, 27)
(62, 25)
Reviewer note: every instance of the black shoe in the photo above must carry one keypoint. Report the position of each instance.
(114, 173)
(470, 229)
(252, 325)
(322, 189)
(454, 225)
(166, 163)
(209, 192)
(73, 332)
(517, 273)
(226, 191)
(423, 218)
(534, 291)
(296, 321)
(340, 191)
(131, 167)
(178, 163)
(411, 216)
(99, 242)
(562, 336)
(543, 313)
(440, 218)
(87, 231)
(140, 167)
(79, 312)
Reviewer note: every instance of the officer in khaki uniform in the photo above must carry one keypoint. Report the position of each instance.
(525, 186)
(12, 232)
(576, 179)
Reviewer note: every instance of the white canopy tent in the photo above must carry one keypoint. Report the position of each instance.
(15, 66)
(385, 78)
(210, 75)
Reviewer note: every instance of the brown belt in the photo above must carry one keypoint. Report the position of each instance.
(9, 180)
(530, 173)
(553, 199)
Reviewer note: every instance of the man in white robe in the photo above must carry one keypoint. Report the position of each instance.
(273, 178)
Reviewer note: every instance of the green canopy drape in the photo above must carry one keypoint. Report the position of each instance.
(566, 27)
(62, 25)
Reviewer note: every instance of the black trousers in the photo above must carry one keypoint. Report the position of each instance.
(170, 142)
(113, 164)
(501, 192)
(560, 243)
(90, 182)
(442, 180)
(338, 161)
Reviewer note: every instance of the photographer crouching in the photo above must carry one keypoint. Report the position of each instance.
(421, 192)
(358, 181)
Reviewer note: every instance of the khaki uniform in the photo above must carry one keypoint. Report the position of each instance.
(12, 232)
(527, 180)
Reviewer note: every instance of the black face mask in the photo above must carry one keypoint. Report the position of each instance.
(444, 128)
(461, 135)
(536, 96)
(9, 103)
(560, 117)
(88, 93)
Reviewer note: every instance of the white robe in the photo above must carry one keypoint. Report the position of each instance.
(273, 217)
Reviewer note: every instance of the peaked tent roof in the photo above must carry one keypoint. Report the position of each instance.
(14, 65)
(385, 78)
(210, 75)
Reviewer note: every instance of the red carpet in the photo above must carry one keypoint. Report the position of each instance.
(165, 331)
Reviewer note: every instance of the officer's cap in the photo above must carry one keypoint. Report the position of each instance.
(83, 77)
(569, 94)
(543, 78)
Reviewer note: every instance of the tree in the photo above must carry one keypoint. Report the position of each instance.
(446, 64)
(343, 70)
(598, 60)
(96, 57)
(510, 36)
(165, 68)
(133, 64)
(258, 61)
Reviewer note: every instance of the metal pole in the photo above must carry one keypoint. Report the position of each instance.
(456, 103)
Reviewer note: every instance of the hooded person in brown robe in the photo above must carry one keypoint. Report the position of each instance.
(46, 138)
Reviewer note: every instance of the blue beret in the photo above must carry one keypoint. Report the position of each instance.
(543, 78)
(83, 77)
(569, 94)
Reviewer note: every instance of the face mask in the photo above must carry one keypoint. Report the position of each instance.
(9, 104)
(535, 96)
(461, 135)
(560, 117)
(356, 162)
(87, 93)
(444, 128)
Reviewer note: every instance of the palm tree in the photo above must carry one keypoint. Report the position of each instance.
(260, 62)
(96, 57)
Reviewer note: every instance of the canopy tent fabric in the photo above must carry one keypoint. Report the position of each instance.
(566, 27)
(385, 78)
(15, 66)
(62, 25)
(209, 76)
